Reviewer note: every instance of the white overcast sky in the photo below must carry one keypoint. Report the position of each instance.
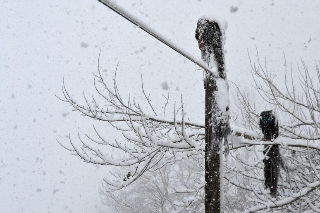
(44, 41)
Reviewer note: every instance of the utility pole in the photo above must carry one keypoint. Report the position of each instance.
(217, 127)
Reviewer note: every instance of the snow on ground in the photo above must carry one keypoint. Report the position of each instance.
(42, 42)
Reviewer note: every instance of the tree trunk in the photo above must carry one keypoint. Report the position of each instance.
(217, 125)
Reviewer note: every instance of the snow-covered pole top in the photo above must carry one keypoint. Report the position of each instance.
(210, 35)
(134, 20)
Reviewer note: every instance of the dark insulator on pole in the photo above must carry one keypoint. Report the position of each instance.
(269, 126)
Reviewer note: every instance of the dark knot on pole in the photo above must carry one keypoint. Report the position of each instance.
(268, 123)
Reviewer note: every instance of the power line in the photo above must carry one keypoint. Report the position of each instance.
(151, 32)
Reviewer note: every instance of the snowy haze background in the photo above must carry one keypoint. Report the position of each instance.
(42, 42)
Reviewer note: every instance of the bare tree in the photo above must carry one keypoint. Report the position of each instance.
(298, 108)
(153, 145)
(173, 188)
(150, 141)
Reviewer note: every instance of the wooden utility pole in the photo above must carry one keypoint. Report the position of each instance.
(217, 125)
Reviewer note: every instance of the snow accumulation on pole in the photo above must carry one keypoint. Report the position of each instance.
(134, 20)
(210, 39)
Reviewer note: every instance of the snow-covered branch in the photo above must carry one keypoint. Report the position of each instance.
(151, 143)
(288, 200)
